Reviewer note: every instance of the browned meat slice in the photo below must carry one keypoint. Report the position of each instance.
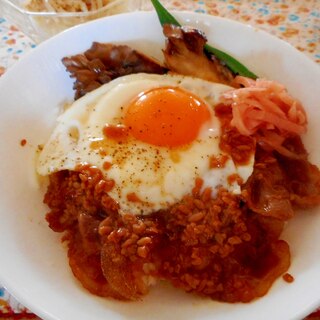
(104, 62)
(128, 255)
(303, 178)
(87, 269)
(266, 190)
(184, 54)
(124, 276)
(279, 258)
(88, 229)
(279, 183)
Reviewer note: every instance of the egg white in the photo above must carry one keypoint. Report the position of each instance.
(158, 176)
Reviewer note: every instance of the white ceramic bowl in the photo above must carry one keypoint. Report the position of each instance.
(33, 263)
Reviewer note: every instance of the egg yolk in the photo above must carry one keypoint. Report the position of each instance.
(166, 116)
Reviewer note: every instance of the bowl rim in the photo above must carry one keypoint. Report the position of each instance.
(308, 308)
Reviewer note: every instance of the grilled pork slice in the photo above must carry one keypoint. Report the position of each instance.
(184, 54)
(279, 184)
(104, 62)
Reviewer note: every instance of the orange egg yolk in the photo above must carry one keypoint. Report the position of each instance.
(166, 116)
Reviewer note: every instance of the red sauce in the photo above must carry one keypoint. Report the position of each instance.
(235, 178)
(116, 132)
(218, 162)
(287, 277)
(102, 151)
(107, 165)
(132, 197)
(23, 142)
(239, 147)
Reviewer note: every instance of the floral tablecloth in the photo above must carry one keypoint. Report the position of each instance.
(296, 21)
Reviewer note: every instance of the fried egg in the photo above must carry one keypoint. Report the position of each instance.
(153, 135)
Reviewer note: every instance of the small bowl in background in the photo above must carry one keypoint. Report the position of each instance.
(40, 26)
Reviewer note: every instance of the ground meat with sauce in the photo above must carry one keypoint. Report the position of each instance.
(215, 247)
